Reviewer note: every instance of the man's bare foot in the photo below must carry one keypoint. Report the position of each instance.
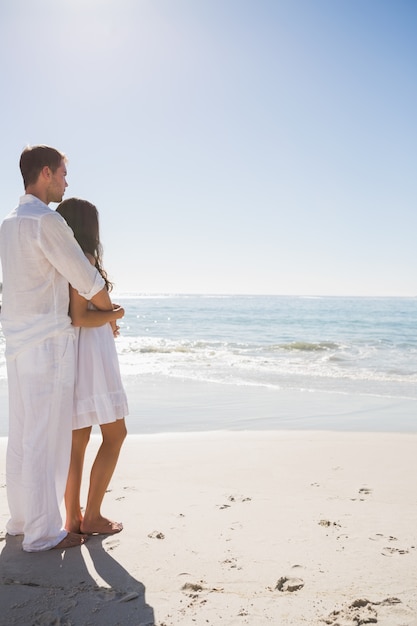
(72, 540)
(101, 526)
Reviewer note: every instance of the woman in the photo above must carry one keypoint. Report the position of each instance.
(99, 394)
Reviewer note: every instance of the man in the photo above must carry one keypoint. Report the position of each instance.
(40, 257)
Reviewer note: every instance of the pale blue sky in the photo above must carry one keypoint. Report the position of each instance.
(231, 146)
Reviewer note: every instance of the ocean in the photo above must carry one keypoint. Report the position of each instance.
(334, 346)
(366, 345)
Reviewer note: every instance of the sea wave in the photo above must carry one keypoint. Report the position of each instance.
(308, 346)
(312, 366)
(363, 345)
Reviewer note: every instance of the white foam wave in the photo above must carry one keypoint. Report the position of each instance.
(332, 364)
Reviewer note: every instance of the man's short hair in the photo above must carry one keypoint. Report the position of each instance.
(34, 158)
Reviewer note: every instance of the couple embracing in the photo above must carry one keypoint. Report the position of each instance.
(62, 367)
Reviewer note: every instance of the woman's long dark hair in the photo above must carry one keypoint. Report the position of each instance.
(82, 217)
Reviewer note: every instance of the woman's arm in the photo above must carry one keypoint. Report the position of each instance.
(81, 315)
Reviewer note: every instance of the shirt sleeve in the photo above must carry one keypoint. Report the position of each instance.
(60, 247)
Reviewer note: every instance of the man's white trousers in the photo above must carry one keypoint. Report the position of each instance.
(41, 391)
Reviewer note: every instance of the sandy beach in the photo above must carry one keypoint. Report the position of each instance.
(250, 527)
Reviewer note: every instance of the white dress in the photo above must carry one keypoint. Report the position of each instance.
(99, 394)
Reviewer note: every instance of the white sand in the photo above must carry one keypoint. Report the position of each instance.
(214, 521)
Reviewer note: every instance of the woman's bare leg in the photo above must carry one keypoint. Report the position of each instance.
(103, 467)
(80, 440)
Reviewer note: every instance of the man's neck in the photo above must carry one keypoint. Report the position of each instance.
(39, 193)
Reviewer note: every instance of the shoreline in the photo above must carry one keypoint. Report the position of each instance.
(162, 404)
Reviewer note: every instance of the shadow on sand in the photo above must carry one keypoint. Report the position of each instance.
(60, 588)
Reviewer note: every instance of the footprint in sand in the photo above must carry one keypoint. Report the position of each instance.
(363, 491)
(381, 537)
(111, 544)
(234, 499)
(289, 584)
(361, 611)
(389, 550)
(328, 524)
(231, 563)
(192, 587)
(156, 534)
(193, 590)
